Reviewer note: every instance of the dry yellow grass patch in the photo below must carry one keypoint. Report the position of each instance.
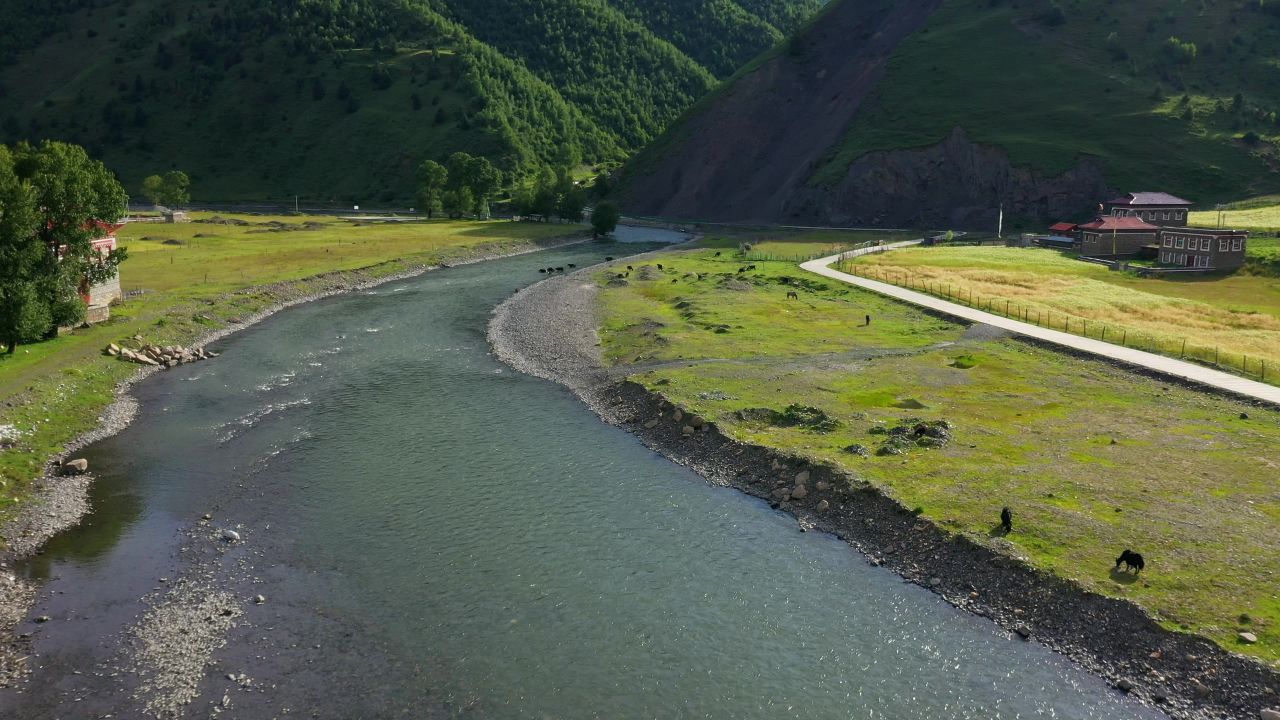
(1238, 328)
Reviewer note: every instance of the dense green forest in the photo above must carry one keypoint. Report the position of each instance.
(342, 99)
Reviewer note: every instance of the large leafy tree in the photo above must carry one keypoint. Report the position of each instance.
(173, 189)
(604, 219)
(477, 176)
(23, 314)
(433, 178)
(74, 196)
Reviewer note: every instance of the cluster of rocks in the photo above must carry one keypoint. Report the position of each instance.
(158, 355)
(913, 433)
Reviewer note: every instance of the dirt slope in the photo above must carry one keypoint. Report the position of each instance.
(746, 153)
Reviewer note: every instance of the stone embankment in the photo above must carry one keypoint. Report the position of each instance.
(167, 356)
(549, 330)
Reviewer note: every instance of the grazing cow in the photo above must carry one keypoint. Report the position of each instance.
(1132, 561)
(620, 276)
(659, 266)
(717, 253)
(791, 295)
(572, 265)
(741, 270)
(675, 280)
(608, 258)
(559, 269)
(542, 270)
(1006, 520)
(751, 267)
(630, 268)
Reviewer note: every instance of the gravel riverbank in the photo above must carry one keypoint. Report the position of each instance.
(59, 502)
(549, 330)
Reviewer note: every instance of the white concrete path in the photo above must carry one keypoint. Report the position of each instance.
(1150, 361)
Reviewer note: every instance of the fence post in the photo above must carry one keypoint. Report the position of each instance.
(1104, 333)
(1124, 338)
(1183, 352)
(1217, 353)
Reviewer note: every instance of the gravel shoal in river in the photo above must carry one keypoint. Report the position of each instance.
(549, 330)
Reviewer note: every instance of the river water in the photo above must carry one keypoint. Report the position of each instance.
(439, 536)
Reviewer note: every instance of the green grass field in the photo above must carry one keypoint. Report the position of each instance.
(197, 277)
(1092, 459)
(1233, 319)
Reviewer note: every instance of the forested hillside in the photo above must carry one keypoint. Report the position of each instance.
(341, 99)
(934, 112)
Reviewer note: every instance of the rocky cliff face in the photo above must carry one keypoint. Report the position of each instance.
(749, 153)
(954, 184)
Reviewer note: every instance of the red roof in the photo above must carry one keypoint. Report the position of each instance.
(105, 228)
(1150, 198)
(1063, 227)
(1119, 224)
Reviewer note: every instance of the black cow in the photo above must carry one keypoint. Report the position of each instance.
(608, 258)
(1006, 520)
(542, 270)
(791, 295)
(572, 265)
(1132, 561)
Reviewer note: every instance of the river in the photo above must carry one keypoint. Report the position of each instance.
(437, 535)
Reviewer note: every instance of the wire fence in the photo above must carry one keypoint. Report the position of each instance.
(1170, 346)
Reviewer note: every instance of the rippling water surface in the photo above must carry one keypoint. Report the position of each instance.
(440, 536)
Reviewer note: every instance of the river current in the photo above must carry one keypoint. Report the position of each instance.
(437, 535)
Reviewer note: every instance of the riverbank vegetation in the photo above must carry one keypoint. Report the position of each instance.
(1231, 320)
(185, 280)
(1092, 459)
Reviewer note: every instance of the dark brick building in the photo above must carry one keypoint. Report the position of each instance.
(1156, 208)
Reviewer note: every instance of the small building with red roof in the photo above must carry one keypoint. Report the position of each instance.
(1114, 236)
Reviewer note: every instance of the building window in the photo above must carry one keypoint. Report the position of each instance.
(1164, 215)
(1164, 257)
(1180, 243)
(1205, 244)
(1223, 245)
(1168, 241)
(1237, 244)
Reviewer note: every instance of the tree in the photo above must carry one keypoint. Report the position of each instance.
(177, 189)
(24, 317)
(171, 190)
(433, 178)
(74, 195)
(571, 202)
(458, 202)
(477, 175)
(153, 188)
(604, 219)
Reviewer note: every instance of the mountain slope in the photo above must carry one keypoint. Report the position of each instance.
(341, 99)
(933, 112)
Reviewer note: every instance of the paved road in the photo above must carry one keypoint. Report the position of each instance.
(1158, 363)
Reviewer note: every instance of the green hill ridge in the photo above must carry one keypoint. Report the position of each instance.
(339, 100)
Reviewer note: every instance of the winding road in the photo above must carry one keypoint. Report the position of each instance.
(1149, 361)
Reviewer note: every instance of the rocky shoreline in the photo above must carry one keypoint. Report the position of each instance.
(549, 330)
(59, 501)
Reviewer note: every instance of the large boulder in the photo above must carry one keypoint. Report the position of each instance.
(79, 466)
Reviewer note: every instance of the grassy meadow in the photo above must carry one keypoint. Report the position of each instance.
(1091, 459)
(200, 276)
(1234, 319)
